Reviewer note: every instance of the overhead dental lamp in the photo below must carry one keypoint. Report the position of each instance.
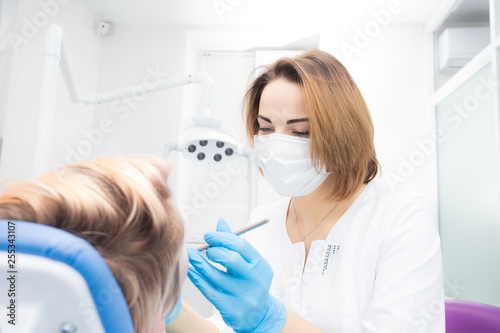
(209, 142)
(204, 140)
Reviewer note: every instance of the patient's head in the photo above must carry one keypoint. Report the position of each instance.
(123, 207)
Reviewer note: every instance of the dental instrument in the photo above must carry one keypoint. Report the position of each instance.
(240, 232)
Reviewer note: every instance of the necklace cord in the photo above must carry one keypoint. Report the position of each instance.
(297, 224)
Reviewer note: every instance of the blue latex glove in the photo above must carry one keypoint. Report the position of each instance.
(169, 317)
(242, 293)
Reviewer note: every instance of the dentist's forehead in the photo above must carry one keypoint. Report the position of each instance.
(283, 100)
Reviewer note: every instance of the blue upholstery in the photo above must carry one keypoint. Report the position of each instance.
(62, 246)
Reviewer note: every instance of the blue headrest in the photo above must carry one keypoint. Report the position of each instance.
(59, 245)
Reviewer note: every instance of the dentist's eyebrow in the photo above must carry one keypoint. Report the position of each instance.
(264, 118)
(293, 121)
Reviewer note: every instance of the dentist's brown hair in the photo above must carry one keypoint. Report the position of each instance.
(341, 128)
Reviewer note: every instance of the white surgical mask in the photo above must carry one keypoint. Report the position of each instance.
(286, 163)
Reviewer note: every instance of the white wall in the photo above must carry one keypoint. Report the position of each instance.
(127, 57)
(387, 61)
(390, 74)
(8, 11)
(23, 89)
(142, 124)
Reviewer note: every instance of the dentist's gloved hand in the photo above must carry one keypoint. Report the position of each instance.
(242, 293)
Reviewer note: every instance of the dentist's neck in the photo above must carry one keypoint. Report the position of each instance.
(314, 206)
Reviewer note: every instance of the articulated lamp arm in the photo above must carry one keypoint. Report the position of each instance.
(55, 59)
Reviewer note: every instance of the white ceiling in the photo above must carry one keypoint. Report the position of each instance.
(250, 12)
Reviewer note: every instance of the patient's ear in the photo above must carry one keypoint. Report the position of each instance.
(159, 326)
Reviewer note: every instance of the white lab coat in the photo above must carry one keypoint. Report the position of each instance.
(378, 270)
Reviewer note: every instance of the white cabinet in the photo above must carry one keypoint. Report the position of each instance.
(464, 104)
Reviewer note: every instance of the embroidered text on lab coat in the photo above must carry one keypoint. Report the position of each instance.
(330, 250)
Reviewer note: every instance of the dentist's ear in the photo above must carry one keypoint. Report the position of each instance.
(223, 226)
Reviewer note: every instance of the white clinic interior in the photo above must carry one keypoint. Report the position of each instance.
(414, 62)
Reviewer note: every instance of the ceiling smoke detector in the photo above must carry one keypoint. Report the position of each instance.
(103, 28)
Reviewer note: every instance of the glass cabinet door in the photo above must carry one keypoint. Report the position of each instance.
(468, 181)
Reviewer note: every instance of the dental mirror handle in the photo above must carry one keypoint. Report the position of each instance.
(241, 231)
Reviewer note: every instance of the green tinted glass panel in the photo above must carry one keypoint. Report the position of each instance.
(468, 173)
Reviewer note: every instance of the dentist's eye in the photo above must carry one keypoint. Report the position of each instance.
(265, 130)
(302, 134)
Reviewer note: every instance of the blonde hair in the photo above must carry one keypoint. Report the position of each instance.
(123, 207)
(341, 129)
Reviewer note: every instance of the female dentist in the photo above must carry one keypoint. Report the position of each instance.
(348, 254)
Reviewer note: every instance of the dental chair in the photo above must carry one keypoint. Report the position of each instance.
(58, 283)
(471, 317)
